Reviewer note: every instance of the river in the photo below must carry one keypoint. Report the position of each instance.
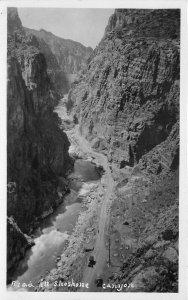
(50, 237)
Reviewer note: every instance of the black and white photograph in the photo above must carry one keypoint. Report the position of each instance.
(93, 149)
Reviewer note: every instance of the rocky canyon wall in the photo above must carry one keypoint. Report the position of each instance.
(37, 149)
(128, 99)
(127, 105)
(65, 58)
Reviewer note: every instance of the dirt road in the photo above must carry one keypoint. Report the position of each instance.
(100, 253)
(82, 147)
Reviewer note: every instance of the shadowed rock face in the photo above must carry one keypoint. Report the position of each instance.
(17, 244)
(65, 58)
(37, 150)
(128, 99)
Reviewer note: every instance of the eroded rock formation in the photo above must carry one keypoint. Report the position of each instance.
(37, 149)
(65, 58)
(128, 99)
(127, 104)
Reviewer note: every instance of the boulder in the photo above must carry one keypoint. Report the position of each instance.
(171, 254)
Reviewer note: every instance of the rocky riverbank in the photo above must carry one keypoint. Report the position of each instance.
(74, 259)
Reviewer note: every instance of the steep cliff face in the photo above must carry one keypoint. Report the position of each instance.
(37, 150)
(128, 99)
(65, 58)
(17, 244)
(127, 104)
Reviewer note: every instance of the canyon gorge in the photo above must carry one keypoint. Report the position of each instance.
(113, 111)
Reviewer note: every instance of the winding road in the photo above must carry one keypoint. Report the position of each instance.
(100, 252)
(81, 145)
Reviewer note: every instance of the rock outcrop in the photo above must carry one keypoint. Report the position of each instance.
(127, 101)
(147, 228)
(17, 244)
(37, 149)
(65, 58)
(127, 104)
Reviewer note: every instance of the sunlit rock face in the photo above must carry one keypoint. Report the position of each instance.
(127, 104)
(37, 150)
(128, 99)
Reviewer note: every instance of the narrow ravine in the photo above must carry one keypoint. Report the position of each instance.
(100, 253)
(93, 178)
(51, 236)
(92, 225)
